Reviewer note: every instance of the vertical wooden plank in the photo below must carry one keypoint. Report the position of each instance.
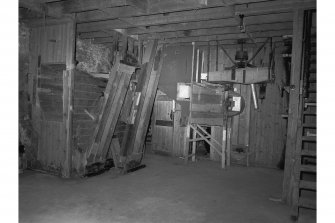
(224, 146)
(176, 130)
(228, 140)
(236, 121)
(186, 143)
(149, 97)
(68, 85)
(293, 114)
(216, 133)
(194, 145)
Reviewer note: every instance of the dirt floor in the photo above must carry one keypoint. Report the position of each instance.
(165, 191)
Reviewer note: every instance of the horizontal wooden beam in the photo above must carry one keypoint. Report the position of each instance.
(274, 6)
(156, 19)
(254, 35)
(97, 26)
(217, 31)
(230, 36)
(230, 44)
(127, 13)
(71, 6)
(118, 24)
(249, 20)
(154, 6)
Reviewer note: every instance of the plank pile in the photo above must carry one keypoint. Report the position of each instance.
(132, 94)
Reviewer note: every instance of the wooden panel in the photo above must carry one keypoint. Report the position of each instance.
(216, 133)
(50, 91)
(53, 42)
(162, 133)
(179, 136)
(242, 75)
(51, 146)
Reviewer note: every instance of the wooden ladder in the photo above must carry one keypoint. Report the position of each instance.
(304, 191)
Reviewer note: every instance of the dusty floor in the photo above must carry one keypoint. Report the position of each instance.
(165, 191)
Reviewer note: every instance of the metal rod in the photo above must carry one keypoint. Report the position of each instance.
(254, 96)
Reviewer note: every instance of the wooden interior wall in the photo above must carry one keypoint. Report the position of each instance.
(50, 51)
(263, 130)
(267, 126)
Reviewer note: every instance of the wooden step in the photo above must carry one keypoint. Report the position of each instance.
(309, 138)
(307, 203)
(309, 113)
(308, 168)
(306, 104)
(308, 153)
(304, 184)
(309, 125)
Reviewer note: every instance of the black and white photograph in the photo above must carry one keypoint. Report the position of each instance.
(164, 111)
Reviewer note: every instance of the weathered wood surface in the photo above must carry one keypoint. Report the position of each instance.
(163, 126)
(51, 49)
(50, 91)
(116, 91)
(68, 85)
(145, 85)
(293, 114)
(242, 75)
(149, 98)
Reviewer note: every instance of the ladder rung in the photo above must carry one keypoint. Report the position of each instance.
(308, 153)
(309, 138)
(307, 185)
(309, 125)
(309, 113)
(306, 104)
(308, 168)
(307, 203)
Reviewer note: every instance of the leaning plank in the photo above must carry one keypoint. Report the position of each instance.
(114, 95)
(141, 88)
(113, 114)
(149, 98)
(101, 117)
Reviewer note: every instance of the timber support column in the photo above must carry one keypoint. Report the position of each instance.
(293, 112)
(68, 85)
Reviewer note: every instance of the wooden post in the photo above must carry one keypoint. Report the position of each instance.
(194, 145)
(224, 144)
(228, 138)
(186, 142)
(140, 51)
(293, 113)
(68, 85)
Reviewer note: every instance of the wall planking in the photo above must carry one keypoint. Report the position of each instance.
(50, 46)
